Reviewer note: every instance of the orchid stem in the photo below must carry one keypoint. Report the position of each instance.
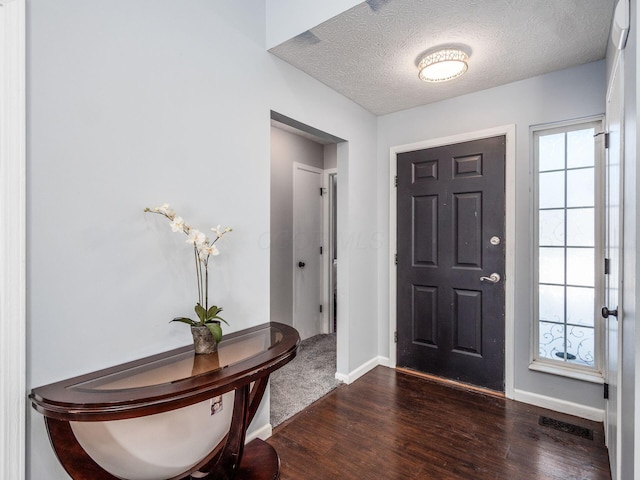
(198, 274)
(206, 284)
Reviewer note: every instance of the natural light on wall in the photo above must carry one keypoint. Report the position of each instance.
(568, 245)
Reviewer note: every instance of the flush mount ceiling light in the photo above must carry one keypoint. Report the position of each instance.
(443, 65)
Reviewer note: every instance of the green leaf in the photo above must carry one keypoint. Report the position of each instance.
(212, 315)
(219, 318)
(201, 312)
(216, 331)
(184, 320)
(213, 311)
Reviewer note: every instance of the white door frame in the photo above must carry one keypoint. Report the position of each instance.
(327, 261)
(12, 240)
(510, 132)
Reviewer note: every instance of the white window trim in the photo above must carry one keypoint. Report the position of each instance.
(593, 374)
(12, 240)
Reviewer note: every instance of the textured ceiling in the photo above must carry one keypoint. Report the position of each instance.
(370, 52)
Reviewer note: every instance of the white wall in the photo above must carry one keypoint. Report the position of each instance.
(330, 156)
(563, 95)
(131, 104)
(286, 148)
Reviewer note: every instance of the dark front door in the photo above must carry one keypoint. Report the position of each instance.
(451, 223)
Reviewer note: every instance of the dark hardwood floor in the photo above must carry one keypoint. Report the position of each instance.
(390, 425)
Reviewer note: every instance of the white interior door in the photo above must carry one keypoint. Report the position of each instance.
(613, 247)
(307, 244)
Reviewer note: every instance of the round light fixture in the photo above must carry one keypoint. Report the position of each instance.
(443, 65)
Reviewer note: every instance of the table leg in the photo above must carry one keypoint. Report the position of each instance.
(259, 462)
(78, 464)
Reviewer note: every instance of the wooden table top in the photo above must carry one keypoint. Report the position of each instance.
(169, 380)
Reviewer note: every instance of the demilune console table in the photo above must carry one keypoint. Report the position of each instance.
(175, 415)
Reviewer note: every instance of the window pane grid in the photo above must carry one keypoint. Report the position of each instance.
(562, 284)
(542, 209)
(568, 324)
(568, 169)
(566, 247)
(577, 247)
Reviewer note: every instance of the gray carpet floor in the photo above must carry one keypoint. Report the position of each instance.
(308, 377)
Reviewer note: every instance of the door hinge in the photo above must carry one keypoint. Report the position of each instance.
(320, 250)
(320, 308)
(606, 266)
(321, 191)
(396, 180)
(395, 337)
(606, 391)
(606, 138)
(396, 259)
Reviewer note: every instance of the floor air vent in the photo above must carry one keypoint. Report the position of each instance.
(566, 427)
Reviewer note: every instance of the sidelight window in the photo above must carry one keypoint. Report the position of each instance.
(567, 246)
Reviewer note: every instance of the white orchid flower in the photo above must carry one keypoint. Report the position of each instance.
(165, 210)
(220, 231)
(206, 250)
(177, 225)
(210, 250)
(196, 237)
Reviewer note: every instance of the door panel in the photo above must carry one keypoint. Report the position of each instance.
(425, 252)
(425, 301)
(467, 320)
(467, 225)
(450, 204)
(307, 240)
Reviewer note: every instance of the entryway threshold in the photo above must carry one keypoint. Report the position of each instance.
(452, 383)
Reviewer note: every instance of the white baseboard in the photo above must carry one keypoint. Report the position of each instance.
(362, 369)
(385, 362)
(262, 433)
(563, 406)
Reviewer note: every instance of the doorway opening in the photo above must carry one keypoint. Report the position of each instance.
(304, 260)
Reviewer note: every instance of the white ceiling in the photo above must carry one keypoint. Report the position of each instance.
(370, 52)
